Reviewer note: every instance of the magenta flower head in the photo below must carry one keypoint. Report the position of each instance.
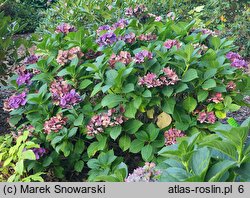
(123, 57)
(147, 173)
(15, 101)
(142, 56)
(231, 86)
(170, 43)
(147, 37)
(236, 60)
(232, 56)
(68, 99)
(171, 135)
(206, 117)
(39, 152)
(150, 80)
(128, 38)
(65, 28)
(54, 124)
(216, 98)
(106, 39)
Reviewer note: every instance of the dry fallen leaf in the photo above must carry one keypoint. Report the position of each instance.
(163, 120)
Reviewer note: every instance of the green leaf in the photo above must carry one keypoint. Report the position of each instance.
(130, 110)
(79, 166)
(136, 146)
(132, 126)
(92, 149)
(28, 155)
(112, 100)
(118, 46)
(124, 142)
(181, 87)
(19, 168)
(233, 107)
(85, 84)
(190, 75)
(146, 152)
(200, 161)
(209, 84)
(152, 131)
(167, 91)
(147, 94)
(79, 120)
(217, 170)
(189, 104)
(47, 161)
(115, 132)
(210, 73)
(72, 132)
(111, 75)
(56, 140)
(96, 89)
(168, 105)
(128, 88)
(202, 95)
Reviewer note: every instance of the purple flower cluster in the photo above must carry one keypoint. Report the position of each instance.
(140, 57)
(128, 38)
(65, 28)
(150, 80)
(54, 124)
(171, 135)
(32, 59)
(24, 78)
(147, 173)
(122, 23)
(63, 95)
(147, 37)
(123, 57)
(170, 43)
(101, 121)
(236, 60)
(206, 117)
(103, 28)
(216, 98)
(39, 152)
(64, 57)
(106, 39)
(15, 101)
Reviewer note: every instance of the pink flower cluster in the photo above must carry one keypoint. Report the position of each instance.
(54, 124)
(23, 128)
(216, 98)
(231, 86)
(137, 11)
(209, 32)
(65, 28)
(140, 57)
(150, 80)
(101, 121)
(147, 37)
(202, 48)
(64, 57)
(147, 173)
(171, 135)
(236, 60)
(170, 43)
(15, 101)
(63, 94)
(123, 57)
(206, 117)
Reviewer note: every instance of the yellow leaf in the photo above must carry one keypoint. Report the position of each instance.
(163, 120)
(150, 113)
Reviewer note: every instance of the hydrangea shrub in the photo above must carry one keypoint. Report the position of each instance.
(110, 101)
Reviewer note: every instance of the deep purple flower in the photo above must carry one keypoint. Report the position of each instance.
(15, 101)
(24, 79)
(102, 28)
(232, 56)
(39, 152)
(70, 99)
(142, 56)
(236, 60)
(107, 39)
(31, 59)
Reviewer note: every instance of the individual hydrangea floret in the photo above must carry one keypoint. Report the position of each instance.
(140, 57)
(65, 56)
(128, 38)
(150, 80)
(236, 60)
(15, 101)
(63, 94)
(99, 122)
(32, 59)
(216, 98)
(170, 43)
(171, 135)
(103, 28)
(231, 86)
(54, 124)
(147, 173)
(39, 152)
(106, 39)
(123, 57)
(65, 28)
(206, 117)
(147, 37)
